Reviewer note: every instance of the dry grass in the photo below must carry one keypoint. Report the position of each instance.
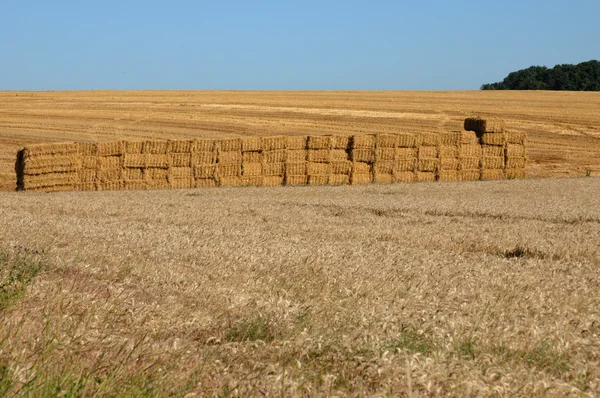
(488, 288)
(563, 127)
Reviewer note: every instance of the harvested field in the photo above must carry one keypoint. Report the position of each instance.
(563, 127)
(448, 289)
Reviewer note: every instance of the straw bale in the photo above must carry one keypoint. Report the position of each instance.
(406, 164)
(254, 156)
(405, 176)
(516, 162)
(469, 175)
(515, 173)
(133, 174)
(449, 151)
(87, 175)
(58, 148)
(273, 169)
(113, 148)
(361, 168)
(157, 161)
(340, 142)
(109, 162)
(182, 183)
(210, 182)
(339, 179)
(470, 151)
(275, 156)
(428, 139)
(383, 178)
(209, 171)
(448, 175)
(450, 138)
(448, 164)
(313, 168)
(134, 147)
(134, 160)
(429, 165)
(428, 152)
(383, 154)
(407, 140)
(253, 181)
(361, 178)
(492, 162)
(252, 169)
(385, 167)
(178, 173)
(298, 142)
(135, 184)
(296, 179)
(252, 144)
(87, 148)
(489, 125)
(206, 157)
(273, 180)
(296, 168)
(363, 155)
(51, 164)
(425, 176)
(226, 170)
(296, 155)
(406, 153)
(162, 183)
(107, 175)
(180, 159)
(498, 139)
(230, 157)
(470, 163)
(363, 141)
(515, 150)
(110, 186)
(319, 155)
(514, 137)
(274, 143)
(338, 155)
(492, 150)
(85, 186)
(318, 180)
(156, 174)
(340, 167)
(209, 145)
(48, 180)
(155, 147)
(319, 142)
(89, 162)
(492, 174)
(229, 181)
(386, 141)
(181, 146)
(468, 137)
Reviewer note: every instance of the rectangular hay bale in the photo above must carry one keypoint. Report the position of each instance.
(275, 156)
(206, 157)
(181, 146)
(274, 143)
(87, 175)
(425, 176)
(363, 141)
(227, 170)
(296, 180)
(156, 174)
(44, 164)
(340, 167)
(448, 175)
(340, 142)
(448, 164)
(405, 176)
(252, 169)
(296, 155)
(385, 154)
(134, 160)
(450, 138)
(406, 153)
(449, 151)
(516, 162)
(492, 174)
(210, 171)
(49, 180)
(363, 155)
(87, 148)
(133, 174)
(273, 169)
(234, 157)
(428, 165)
(319, 142)
(109, 175)
(230, 181)
(109, 162)
(254, 156)
(339, 179)
(313, 168)
(361, 178)
(385, 167)
(296, 168)
(492, 150)
(252, 144)
(361, 168)
(492, 162)
(178, 173)
(498, 139)
(210, 145)
(482, 126)
(514, 173)
(180, 159)
(157, 161)
(428, 139)
(469, 175)
(407, 140)
(515, 150)
(383, 178)
(252, 181)
(156, 147)
(406, 164)
(469, 137)
(318, 179)
(133, 147)
(113, 148)
(470, 150)
(428, 152)
(182, 183)
(296, 142)
(386, 141)
(207, 182)
(515, 137)
(319, 155)
(470, 163)
(273, 180)
(58, 148)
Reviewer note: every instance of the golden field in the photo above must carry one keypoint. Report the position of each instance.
(563, 127)
(446, 289)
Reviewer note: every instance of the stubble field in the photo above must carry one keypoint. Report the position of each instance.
(563, 128)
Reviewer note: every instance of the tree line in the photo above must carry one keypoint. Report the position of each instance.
(566, 77)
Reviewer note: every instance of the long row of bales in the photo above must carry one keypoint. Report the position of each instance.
(484, 150)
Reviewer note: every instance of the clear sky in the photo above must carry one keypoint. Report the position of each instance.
(287, 45)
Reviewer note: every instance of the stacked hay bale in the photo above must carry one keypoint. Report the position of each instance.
(205, 155)
(181, 172)
(428, 160)
(469, 157)
(134, 163)
(88, 155)
(515, 155)
(252, 161)
(406, 158)
(274, 158)
(362, 155)
(340, 166)
(49, 167)
(296, 165)
(229, 162)
(449, 163)
(385, 158)
(328, 160)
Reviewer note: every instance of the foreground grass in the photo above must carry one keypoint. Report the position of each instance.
(487, 289)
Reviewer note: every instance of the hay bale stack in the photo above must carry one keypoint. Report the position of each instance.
(50, 167)
(469, 156)
(449, 154)
(362, 155)
(428, 157)
(252, 161)
(296, 154)
(320, 154)
(483, 126)
(515, 155)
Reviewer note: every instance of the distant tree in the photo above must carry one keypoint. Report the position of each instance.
(582, 77)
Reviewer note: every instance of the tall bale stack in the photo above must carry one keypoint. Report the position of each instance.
(181, 172)
(134, 164)
(449, 164)
(469, 156)
(318, 157)
(50, 167)
(229, 162)
(362, 155)
(340, 167)
(88, 173)
(515, 155)
(296, 165)
(205, 156)
(428, 159)
(274, 158)
(385, 160)
(405, 166)
(252, 161)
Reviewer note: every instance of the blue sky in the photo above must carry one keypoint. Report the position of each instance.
(287, 45)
